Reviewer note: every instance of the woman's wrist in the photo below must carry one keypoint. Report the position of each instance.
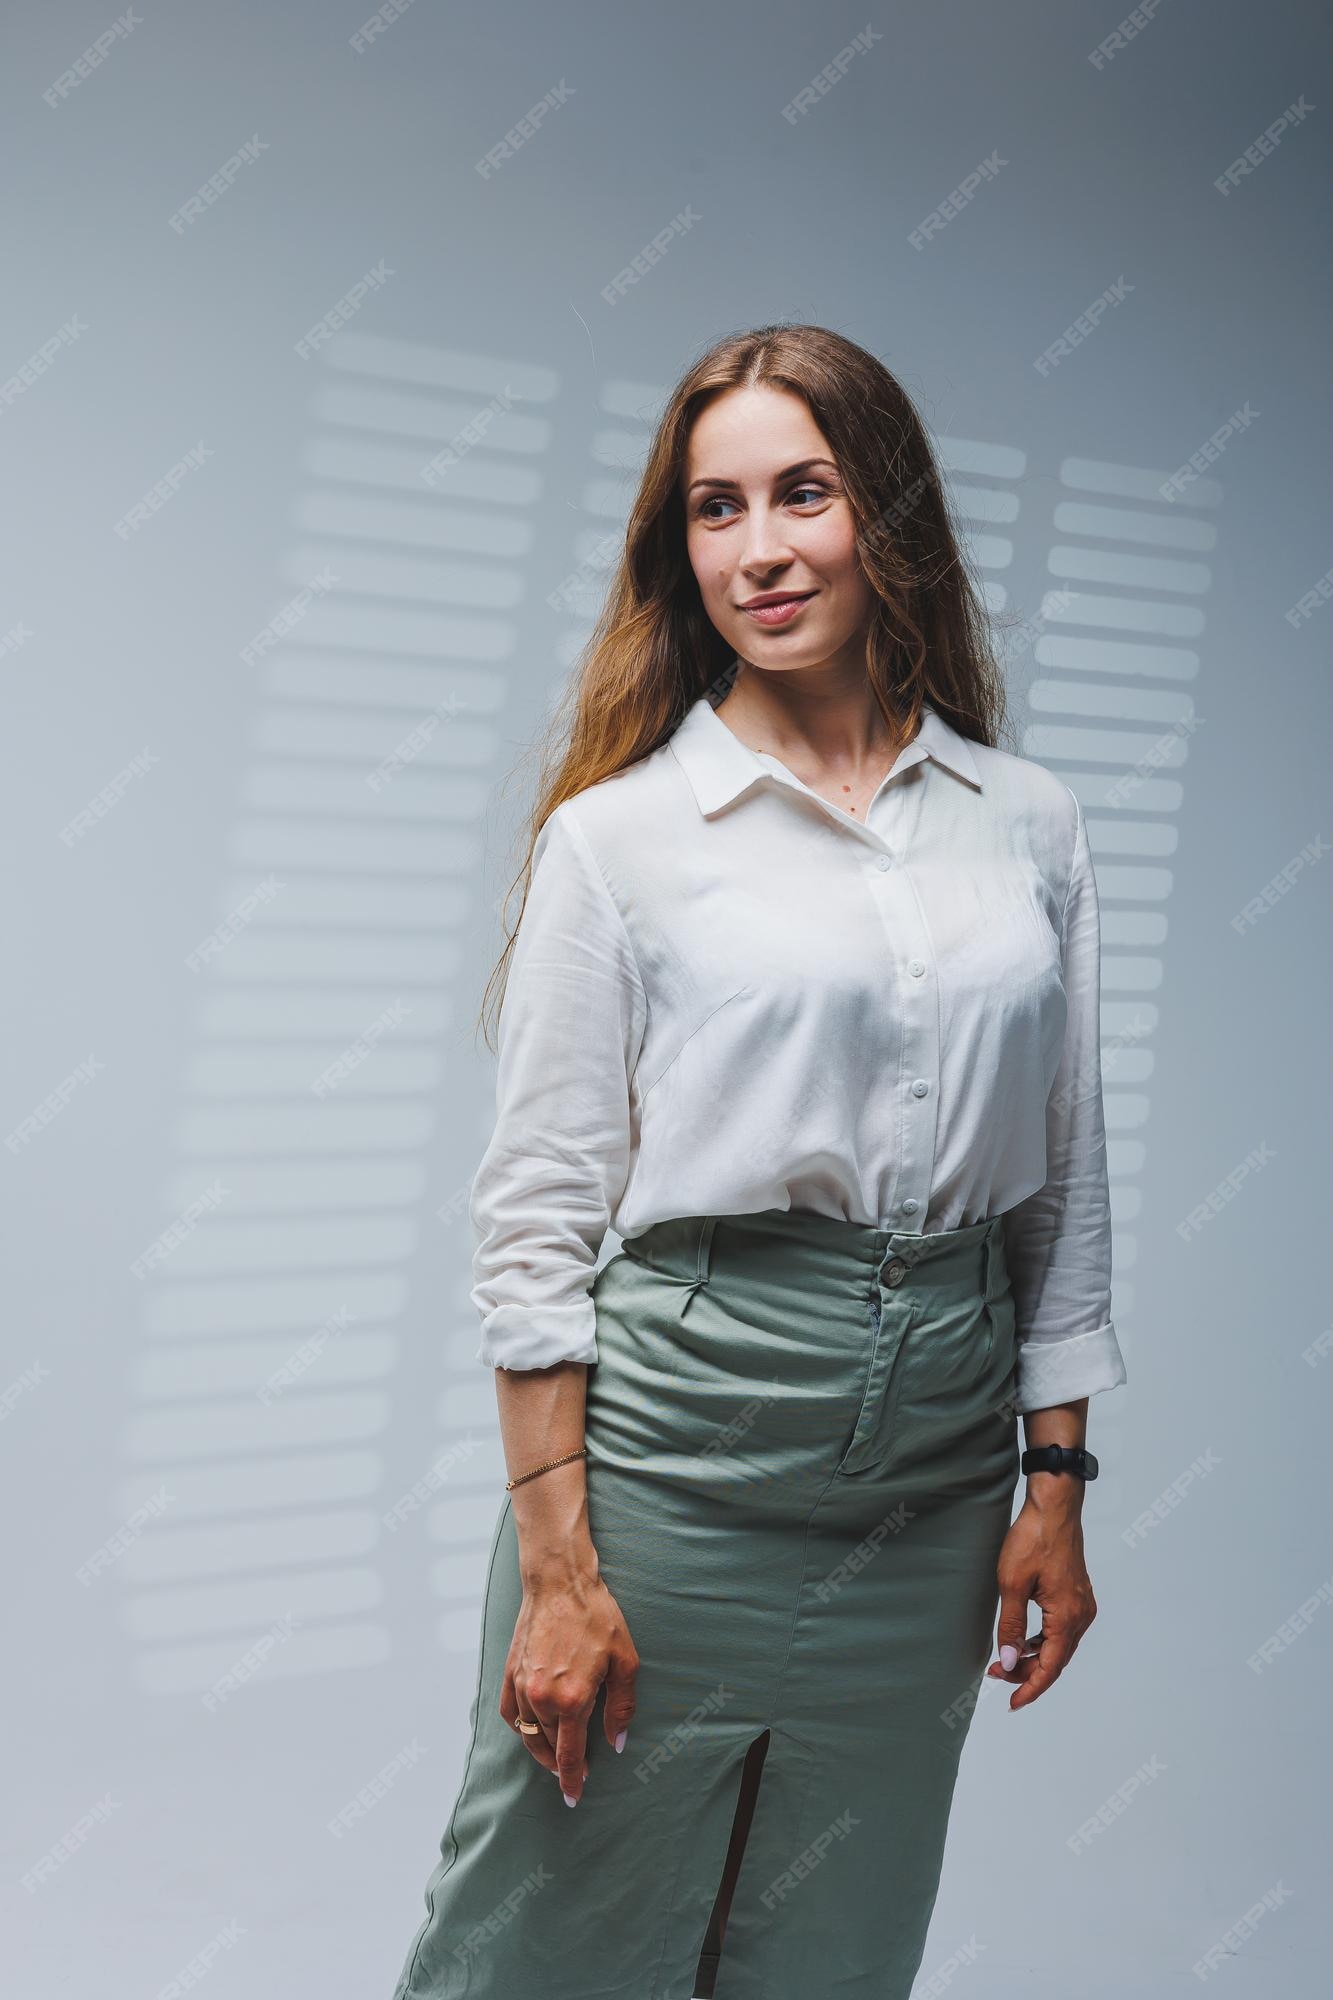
(556, 1566)
(1055, 1493)
(551, 1518)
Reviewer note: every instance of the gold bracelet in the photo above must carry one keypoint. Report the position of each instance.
(510, 1484)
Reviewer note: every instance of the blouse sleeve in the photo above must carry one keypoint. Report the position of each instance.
(1058, 1240)
(570, 1028)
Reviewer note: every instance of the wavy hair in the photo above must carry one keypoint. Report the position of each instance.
(654, 650)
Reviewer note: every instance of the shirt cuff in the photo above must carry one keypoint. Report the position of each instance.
(538, 1336)
(1060, 1371)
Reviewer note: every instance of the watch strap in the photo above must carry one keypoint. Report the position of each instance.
(1059, 1458)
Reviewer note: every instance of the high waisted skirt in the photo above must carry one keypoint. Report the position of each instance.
(802, 1458)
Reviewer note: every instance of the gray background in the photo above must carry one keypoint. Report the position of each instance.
(140, 1825)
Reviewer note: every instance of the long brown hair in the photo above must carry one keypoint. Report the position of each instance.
(654, 650)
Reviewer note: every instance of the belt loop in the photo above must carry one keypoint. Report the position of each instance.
(705, 1260)
(994, 1251)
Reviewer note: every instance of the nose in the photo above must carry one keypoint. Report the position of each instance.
(765, 548)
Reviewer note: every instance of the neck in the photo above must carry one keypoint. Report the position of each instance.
(827, 716)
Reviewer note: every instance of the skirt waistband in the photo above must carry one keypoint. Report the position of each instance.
(823, 1249)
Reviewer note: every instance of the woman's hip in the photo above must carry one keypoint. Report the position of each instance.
(757, 1359)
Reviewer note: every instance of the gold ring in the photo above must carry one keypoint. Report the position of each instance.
(530, 1728)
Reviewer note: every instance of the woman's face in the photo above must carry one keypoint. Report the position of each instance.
(767, 517)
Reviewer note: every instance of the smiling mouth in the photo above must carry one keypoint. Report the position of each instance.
(777, 609)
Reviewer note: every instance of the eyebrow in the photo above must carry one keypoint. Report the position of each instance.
(788, 472)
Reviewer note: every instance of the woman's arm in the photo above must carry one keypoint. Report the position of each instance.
(1058, 1248)
(1058, 1241)
(571, 1026)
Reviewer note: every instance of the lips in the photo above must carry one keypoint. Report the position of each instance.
(777, 610)
(775, 597)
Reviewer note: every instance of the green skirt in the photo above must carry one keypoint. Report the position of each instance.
(802, 1457)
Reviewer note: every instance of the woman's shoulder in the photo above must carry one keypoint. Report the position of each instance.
(634, 804)
(1029, 809)
(1022, 783)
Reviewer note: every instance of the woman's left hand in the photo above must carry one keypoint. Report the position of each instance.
(1042, 1560)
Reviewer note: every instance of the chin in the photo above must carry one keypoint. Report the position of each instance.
(778, 649)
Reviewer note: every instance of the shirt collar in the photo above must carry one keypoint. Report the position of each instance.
(720, 767)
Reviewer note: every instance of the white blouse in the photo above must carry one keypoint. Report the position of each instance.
(728, 995)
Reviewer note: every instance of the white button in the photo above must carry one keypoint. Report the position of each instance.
(883, 862)
(916, 966)
(920, 1087)
(910, 1207)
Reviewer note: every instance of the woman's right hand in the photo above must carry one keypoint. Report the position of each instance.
(570, 1637)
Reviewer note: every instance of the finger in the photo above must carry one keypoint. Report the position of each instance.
(1011, 1627)
(543, 1745)
(1027, 1662)
(1027, 1651)
(508, 1696)
(571, 1756)
(1057, 1646)
(618, 1712)
(540, 1745)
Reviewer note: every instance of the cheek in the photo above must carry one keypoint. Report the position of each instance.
(711, 569)
(848, 599)
(831, 549)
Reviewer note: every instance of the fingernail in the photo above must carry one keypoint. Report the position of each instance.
(1009, 1658)
(620, 1741)
(568, 1801)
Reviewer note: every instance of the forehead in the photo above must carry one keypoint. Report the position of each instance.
(750, 433)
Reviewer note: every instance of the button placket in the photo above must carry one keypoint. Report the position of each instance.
(917, 1002)
(891, 1274)
(889, 1328)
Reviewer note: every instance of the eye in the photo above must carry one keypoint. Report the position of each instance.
(806, 494)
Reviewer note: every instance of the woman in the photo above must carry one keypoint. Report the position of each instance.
(803, 1003)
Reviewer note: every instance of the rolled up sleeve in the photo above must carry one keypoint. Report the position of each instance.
(1058, 1240)
(571, 1024)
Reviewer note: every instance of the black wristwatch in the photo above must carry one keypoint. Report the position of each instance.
(1059, 1458)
